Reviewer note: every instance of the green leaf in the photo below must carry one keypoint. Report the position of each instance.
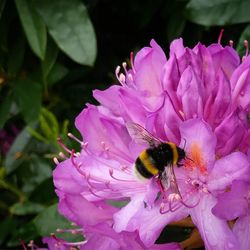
(33, 172)
(44, 192)
(57, 73)
(49, 220)
(26, 208)
(50, 58)
(29, 97)
(26, 233)
(2, 5)
(33, 26)
(245, 35)
(6, 226)
(69, 25)
(4, 109)
(16, 55)
(15, 155)
(218, 12)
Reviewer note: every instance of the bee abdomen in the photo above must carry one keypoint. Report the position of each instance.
(145, 165)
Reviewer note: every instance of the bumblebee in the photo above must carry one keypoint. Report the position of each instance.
(158, 159)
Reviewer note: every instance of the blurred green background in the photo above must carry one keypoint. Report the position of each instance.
(53, 53)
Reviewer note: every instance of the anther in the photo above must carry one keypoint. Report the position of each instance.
(62, 155)
(130, 78)
(122, 78)
(56, 161)
(71, 136)
(231, 43)
(124, 65)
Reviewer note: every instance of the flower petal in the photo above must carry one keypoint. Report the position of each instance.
(242, 231)
(197, 132)
(123, 217)
(232, 204)
(227, 169)
(150, 222)
(148, 69)
(215, 232)
(189, 91)
(230, 133)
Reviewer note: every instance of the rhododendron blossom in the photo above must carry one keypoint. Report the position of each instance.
(197, 99)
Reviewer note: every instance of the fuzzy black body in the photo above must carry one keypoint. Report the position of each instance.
(152, 161)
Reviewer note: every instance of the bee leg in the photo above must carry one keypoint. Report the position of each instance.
(179, 165)
(162, 189)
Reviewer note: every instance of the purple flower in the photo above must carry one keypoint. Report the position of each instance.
(197, 99)
(233, 205)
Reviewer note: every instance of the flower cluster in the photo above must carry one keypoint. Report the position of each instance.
(197, 99)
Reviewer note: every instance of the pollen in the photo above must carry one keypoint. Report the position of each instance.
(195, 159)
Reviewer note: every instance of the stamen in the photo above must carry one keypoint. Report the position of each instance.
(220, 36)
(77, 166)
(121, 78)
(246, 47)
(132, 61)
(59, 140)
(98, 196)
(71, 136)
(124, 65)
(105, 148)
(117, 71)
(231, 43)
(63, 242)
(111, 173)
(23, 245)
(130, 78)
(73, 230)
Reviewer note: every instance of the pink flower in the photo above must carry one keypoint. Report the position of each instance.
(233, 205)
(196, 99)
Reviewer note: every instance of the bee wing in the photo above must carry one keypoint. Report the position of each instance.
(141, 135)
(168, 179)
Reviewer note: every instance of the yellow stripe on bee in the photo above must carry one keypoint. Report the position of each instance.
(175, 153)
(147, 163)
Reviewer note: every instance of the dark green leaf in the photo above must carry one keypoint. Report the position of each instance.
(32, 172)
(69, 24)
(50, 58)
(26, 208)
(6, 226)
(57, 73)
(33, 26)
(29, 96)
(26, 233)
(49, 220)
(245, 35)
(4, 109)
(2, 4)
(44, 192)
(218, 12)
(15, 155)
(15, 58)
